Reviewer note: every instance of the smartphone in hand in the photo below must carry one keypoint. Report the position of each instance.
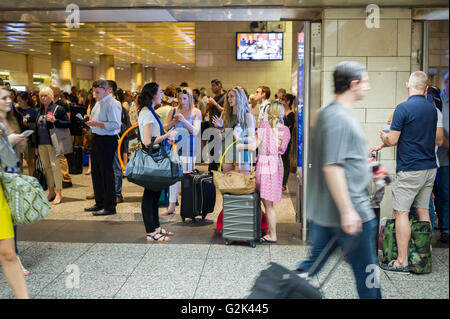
(27, 132)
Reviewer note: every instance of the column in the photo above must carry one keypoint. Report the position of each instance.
(136, 77)
(150, 74)
(106, 67)
(61, 67)
(30, 71)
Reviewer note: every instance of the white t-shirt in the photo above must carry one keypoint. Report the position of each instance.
(146, 117)
(262, 116)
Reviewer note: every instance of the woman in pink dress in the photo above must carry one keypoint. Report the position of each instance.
(272, 140)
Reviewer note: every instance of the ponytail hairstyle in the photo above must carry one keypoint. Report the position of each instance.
(147, 95)
(275, 113)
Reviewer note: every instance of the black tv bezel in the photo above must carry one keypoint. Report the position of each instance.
(264, 60)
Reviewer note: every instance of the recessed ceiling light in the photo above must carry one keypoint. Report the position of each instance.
(51, 39)
(101, 32)
(49, 53)
(91, 62)
(87, 49)
(32, 50)
(79, 60)
(10, 45)
(72, 45)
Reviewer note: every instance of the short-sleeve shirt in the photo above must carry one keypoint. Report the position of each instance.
(416, 119)
(147, 117)
(442, 151)
(338, 139)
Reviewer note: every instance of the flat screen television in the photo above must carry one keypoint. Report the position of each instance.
(259, 46)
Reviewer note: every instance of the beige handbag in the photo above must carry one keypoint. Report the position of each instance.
(234, 182)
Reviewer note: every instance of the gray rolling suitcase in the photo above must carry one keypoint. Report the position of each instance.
(242, 216)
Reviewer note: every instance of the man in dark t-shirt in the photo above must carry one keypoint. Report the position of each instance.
(413, 130)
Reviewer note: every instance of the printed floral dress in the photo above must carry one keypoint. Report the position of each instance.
(269, 170)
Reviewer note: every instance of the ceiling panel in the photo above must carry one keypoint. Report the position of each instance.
(157, 44)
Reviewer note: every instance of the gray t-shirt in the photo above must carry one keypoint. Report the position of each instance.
(442, 152)
(338, 139)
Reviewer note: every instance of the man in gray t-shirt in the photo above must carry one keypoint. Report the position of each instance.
(337, 199)
(338, 140)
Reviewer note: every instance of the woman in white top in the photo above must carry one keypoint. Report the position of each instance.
(187, 121)
(149, 127)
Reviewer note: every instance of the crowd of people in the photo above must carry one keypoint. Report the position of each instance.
(244, 123)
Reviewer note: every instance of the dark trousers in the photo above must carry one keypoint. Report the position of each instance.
(286, 165)
(103, 149)
(149, 208)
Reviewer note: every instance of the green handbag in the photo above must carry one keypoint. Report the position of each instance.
(26, 198)
(419, 249)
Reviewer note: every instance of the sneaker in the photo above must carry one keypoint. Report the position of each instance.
(391, 267)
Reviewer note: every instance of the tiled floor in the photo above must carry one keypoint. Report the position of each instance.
(74, 255)
(188, 271)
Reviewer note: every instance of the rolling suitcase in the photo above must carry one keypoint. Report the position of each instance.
(75, 160)
(241, 218)
(278, 282)
(198, 195)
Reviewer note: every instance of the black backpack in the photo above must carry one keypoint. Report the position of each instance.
(434, 94)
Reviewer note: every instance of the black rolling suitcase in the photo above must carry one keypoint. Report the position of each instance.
(278, 282)
(198, 195)
(75, 160)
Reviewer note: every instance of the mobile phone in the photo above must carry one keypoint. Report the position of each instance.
(27, 132)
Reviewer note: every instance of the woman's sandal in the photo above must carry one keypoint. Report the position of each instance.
(161, 238)
(165, 232)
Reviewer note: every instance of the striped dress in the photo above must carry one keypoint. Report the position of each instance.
(269, 170)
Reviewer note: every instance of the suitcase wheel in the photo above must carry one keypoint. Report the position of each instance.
(226, 242)
(183, 219)
(253, 244)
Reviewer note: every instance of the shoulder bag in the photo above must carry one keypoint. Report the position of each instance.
(154, 169)
(61, 139)
(234, 182)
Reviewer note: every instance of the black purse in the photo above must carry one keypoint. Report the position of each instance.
(39, 173)
(154, 169)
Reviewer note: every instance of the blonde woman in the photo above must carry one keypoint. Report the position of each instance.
(237, 116)
(50, 116)
(272, 140)
(187, 121)
(11, 265)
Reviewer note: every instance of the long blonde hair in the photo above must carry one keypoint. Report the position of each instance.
(275, 113)
(187, 91)
(241, 104)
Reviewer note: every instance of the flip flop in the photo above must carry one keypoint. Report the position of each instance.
(391, 267)
(264, 240)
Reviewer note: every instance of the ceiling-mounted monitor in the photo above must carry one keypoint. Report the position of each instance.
(259, 46)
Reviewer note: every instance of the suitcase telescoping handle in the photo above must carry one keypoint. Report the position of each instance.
(327, 250)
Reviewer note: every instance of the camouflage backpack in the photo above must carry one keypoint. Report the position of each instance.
(419, 250)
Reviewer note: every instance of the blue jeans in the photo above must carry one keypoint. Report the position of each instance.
(360, 256)
(117, 175)
(442, 199)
